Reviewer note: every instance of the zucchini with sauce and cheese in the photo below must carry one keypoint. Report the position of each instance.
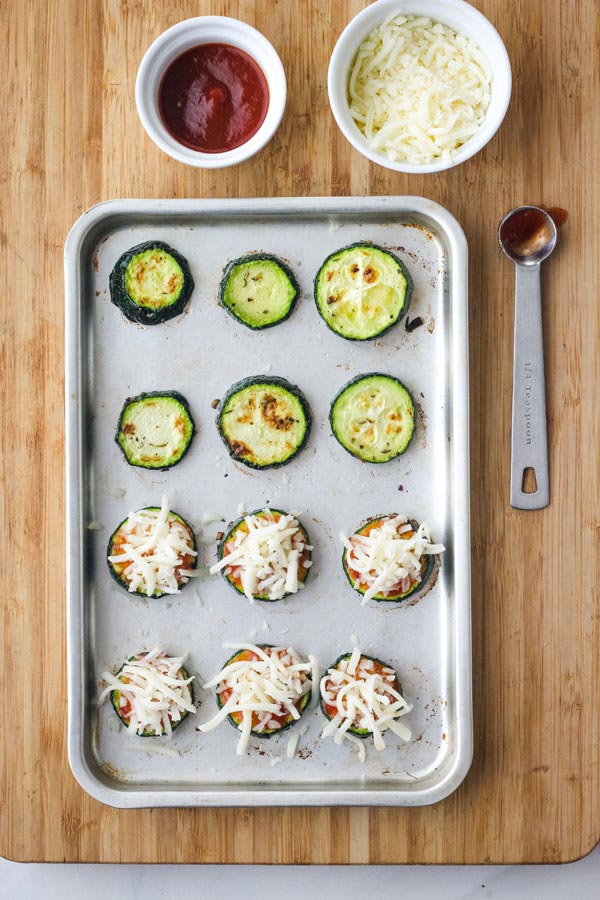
(153, 552)
(373, 417)
(258, 290)
(390, 558)
(155, 429)
(262, 690)
(361, 695)
(264, 421)
(152, 693)
(265, 555)
(361, 291)
(151, 283)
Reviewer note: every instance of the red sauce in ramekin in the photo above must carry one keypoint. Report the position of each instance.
(213, 98)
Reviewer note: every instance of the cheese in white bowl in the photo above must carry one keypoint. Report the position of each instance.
(418, 90)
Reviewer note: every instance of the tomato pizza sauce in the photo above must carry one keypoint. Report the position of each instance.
(213, 98)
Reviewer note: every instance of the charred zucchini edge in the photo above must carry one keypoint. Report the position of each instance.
(121, 298)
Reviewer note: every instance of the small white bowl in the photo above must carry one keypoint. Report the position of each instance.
(191, 33)
(460, 16)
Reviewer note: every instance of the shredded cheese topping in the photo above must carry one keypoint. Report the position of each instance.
(386, 560)
(265, 690)
(418, 90)
(151, 556)
(154, 694)
(268, 557)
(362, 693)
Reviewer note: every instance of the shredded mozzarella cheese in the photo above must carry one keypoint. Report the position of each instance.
(262, 690)
(386, 560)
(268, 556)
(418, 90)
(152, 685)
(363, 698)
(292, 744)
(153, 552)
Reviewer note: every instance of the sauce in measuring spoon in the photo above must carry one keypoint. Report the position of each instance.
(529, 230)
(525, 232)
(213, 98)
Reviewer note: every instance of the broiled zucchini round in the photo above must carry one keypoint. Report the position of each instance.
(258, 290)
(133, 576)
(284, 721)
(404, 588)
(297, 550)
(361, 291)
(264, 421)
(374, 666)
(155, 429)
(373, 417)
(151, 283)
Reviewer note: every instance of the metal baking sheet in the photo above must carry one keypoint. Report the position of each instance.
(201, 354)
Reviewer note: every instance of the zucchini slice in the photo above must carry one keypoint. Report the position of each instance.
(374, 666)
(373, 417)
(283, 721)
(361, 291)
(297, 544)
(264, 421)
(121, 571)
(122, 706)
(151, 283)
(258, 290)
(155, 429)
(403, 589)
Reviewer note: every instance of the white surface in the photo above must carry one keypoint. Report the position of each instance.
(457, 14)
(580, 881)
(207, 30)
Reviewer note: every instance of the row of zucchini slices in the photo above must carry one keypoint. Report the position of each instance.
(265, 421)
(262, 690)
(266, 555)
(360, 291)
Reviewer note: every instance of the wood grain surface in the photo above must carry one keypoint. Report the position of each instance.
(70, 138)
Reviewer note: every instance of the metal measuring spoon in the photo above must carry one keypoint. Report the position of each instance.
(527, 235)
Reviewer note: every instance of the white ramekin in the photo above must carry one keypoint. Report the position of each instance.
(208, 30)
(460, 16)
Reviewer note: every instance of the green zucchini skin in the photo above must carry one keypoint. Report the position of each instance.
(327, 296)
(144, 400)
(122, 582)
(359, 732)
(143, 314)
(233, 296)
(394, 447)
(249, 456)
(430, 564)
(232, 528)
(115, 695)
(265, 734)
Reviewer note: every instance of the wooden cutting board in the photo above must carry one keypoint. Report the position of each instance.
(71, 137)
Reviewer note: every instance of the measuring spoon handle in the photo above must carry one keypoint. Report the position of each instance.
(529, 447)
